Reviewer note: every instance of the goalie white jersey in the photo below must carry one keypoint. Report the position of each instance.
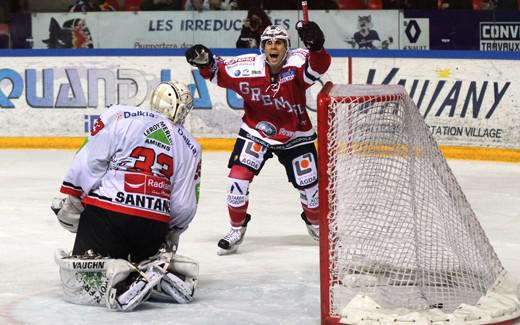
(138, 162)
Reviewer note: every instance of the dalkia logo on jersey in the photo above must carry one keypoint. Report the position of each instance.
(147, 184)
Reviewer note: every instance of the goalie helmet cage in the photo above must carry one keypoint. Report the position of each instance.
(399, 240)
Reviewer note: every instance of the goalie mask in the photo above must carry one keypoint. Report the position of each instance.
(274, 32)
(172, 99)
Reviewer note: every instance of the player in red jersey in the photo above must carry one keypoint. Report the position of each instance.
(275, 119)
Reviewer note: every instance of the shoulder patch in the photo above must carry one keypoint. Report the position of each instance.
(297, 57)
(98, 126)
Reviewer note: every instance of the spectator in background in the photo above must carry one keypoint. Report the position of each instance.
(91, 5)
(322, 5)
(254, 24)
(158, 5)
(244, 4)
(507, 4)
(201, 5)
(5, 17)
(488, 4)
(421, 4)
(393, 4)
(457, 4)
(410, 4)
(285, 4)
(132, 5)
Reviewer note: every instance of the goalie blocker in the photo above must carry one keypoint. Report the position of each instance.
(91, 279)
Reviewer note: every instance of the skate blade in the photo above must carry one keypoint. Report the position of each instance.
(222, 251)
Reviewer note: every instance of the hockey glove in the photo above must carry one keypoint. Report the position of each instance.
(172, 239)
(199, 56)
(311, 35)
(68, 211)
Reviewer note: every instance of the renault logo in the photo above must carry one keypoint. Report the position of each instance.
(412, 31)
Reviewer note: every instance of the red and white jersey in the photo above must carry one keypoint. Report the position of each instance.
(274, 113)
(138, 162)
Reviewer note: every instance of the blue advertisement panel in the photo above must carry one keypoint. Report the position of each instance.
(467, 29)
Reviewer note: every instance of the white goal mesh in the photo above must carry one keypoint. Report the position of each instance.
(401, 233)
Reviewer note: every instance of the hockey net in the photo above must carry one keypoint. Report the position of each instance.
(399, 240)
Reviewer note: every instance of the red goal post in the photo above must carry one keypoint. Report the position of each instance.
(399, 242)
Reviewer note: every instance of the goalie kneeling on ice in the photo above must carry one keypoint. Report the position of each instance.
(85, 281)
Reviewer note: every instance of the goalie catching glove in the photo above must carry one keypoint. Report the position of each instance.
(311, 35)
(68, 210)
(199, 56)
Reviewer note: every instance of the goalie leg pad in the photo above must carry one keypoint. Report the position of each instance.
(128, 286)
(83, 278)
(179, 290)
(178, 284)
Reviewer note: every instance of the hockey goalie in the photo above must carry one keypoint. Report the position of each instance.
(132, 190)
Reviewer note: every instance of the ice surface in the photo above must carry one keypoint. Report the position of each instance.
(273, 280)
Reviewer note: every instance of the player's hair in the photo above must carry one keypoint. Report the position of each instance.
(173, 99)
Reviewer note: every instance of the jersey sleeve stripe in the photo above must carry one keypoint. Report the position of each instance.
(68, 188)
(310, 76)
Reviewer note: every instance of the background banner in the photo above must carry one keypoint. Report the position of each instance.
(174, 29)
(344, 29)
(465, 101)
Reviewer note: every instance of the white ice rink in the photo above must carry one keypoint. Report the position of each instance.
(273, 280)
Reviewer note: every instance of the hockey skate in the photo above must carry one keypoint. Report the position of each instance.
(314, 230)
(229, 244)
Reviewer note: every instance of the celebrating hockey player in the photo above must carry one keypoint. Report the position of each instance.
(275, 119)
(132, 190)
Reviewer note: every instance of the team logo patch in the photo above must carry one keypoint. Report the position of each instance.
(287, 75)
(159, 135)
(252, 155)
(148, 185)
(312, 197)
(266, 128)
(98, 126)
(305, 171)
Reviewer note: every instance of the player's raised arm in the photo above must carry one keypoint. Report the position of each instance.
(199, 56)
(313, 38)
